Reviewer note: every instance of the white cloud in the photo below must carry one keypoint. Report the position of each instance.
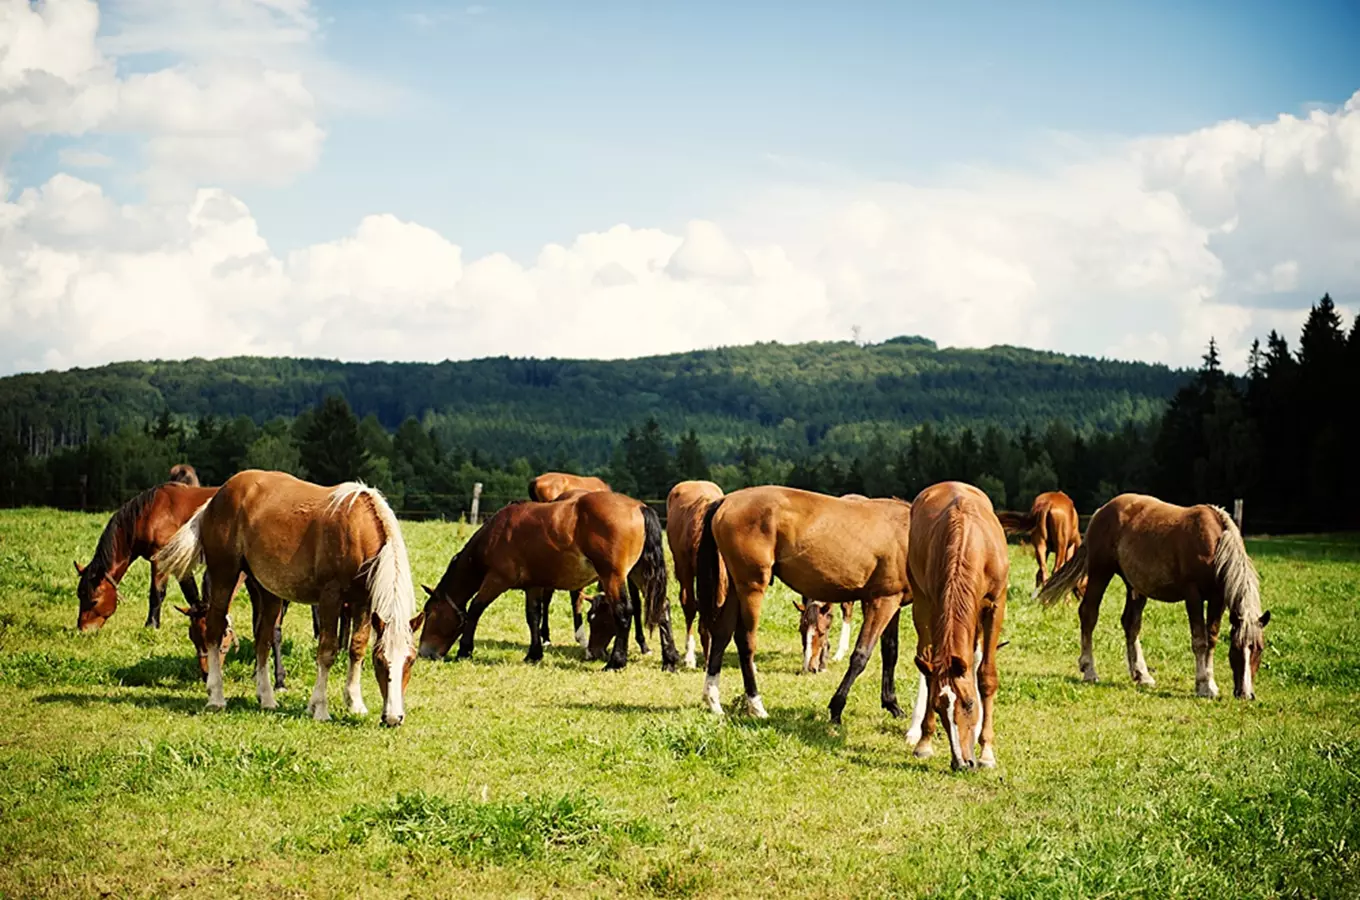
(78, 158)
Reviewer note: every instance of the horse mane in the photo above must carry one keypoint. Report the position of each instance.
(389, 571)
(1239, 579)
(120, 531)
(958, 606)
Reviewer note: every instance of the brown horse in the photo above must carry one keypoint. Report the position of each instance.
(183, 473)
(959, 572)
(564, 545)
(546, 488)
(1193, 555)
(814, 626)
(336, 548)
(685, 508)
(829, 548)
(137, 530)
(1051, 524)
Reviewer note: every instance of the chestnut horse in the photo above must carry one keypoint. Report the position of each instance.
(564, 545)
(814, 626)
(137, 530)
(833, 549)
(546, 488)
(959, 571)
(1051, 524)
(1193, 555)
(338, 548)
(685, 508)
(183, 473)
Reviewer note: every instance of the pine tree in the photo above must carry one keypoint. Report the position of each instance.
(647, 460)
(331, 450)
(690, 462)
(748, 458)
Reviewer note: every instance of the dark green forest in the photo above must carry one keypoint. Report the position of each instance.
(885, 419)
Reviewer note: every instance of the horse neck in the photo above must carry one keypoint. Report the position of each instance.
(464, 575)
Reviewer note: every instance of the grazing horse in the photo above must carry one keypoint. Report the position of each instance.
(137, 530)
(336, 548)
(1051, 524)
(1175, 554)
(183, 473)
(814, 625)
(959, 571)
(564, 545)
(546, 488)
(685, 508)
(833, 549)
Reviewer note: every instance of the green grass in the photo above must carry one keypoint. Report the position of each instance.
(564, 780)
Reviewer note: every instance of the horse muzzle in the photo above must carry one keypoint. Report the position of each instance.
(426, 652)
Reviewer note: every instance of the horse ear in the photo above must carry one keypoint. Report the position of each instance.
(417, 622)
(957, 667)
(80, 570)
(801, 607)
(429, 591)
(185, 610)
(1265, 618)
(377, 624)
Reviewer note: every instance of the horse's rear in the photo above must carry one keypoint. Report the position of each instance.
(959, 568)
(685, 508)
(551, 485)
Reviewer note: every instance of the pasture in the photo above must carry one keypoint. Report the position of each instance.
(563, 780)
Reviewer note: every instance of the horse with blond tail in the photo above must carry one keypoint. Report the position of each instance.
(1192, 555)
(339, 549)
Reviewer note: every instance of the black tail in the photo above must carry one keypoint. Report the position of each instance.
(1017, 523)
(651, 568)
(708, 575)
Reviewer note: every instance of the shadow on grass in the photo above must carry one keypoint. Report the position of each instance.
(197, 705)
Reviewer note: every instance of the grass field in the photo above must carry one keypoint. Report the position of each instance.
(562, 780)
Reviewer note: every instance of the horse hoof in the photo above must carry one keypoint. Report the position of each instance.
(210, 706)
(923, 751)
(987, 760)
(894, 710)
(358, 709)
(531, 658)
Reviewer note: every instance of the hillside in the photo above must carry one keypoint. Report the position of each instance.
(790, 398)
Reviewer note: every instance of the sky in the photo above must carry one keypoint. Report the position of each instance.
(428, 181)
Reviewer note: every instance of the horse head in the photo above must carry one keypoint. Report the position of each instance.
(954, 696)
(442, 623)
(98, 595)
(814, 626)
(198, 635)
(1244, 654)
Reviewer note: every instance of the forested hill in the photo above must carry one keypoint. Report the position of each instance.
(788, 398)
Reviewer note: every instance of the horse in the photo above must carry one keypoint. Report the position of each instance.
(814, 625)
(330, 547)
(959, 569)
(685, 508)
(564, 545)
(137, 530)
(1050, 524)
(1174, 554)
(183, 473)
(546, 488)
(834, 549)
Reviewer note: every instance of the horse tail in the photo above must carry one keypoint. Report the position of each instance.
(651, 566)
(389, 571)
(1017, 522)
(710, 585)
(183, 552)
(533, 490)
(1065, 579)
(1236, 573)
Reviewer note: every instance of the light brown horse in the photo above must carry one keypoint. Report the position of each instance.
(1051, 524)
(336, 548)
(1193, 555)
(546, 488)
(832, 549)
(959, 572)
(814, 626)
(137, 530)
(685, 508)
(564, 545)
(183, 473)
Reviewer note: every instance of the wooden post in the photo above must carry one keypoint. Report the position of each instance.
(1237, 512)
(476, 502)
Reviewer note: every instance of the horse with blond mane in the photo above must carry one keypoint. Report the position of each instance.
(1192, 555)
(959, 571)
(339, 549)
(1050, 524)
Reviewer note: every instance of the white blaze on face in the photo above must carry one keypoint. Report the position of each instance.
(977, 692)
(1246, 671)
(393, 707)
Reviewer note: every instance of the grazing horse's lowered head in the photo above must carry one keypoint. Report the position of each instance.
(98, 595)
(814, 627)
(443, 621)
(954, 696)
(1241, 588)
(198, 635)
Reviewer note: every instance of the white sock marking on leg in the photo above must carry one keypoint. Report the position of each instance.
(918, 712)
(711, 696)
(844, 646)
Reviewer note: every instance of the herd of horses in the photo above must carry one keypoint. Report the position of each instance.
(340, 551)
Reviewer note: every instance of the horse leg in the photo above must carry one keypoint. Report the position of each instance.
(887, 652)
(578, 619)
(326, 614)
(316, 622)
(636, 598)
(614, 588)
(986, 681)
(1199, 643)
(1041, 555)
(534, 604)
(1133, 626)
(876, 616)
(690, 607)
(842, 648)
(1215, 618)
(155, 596)
(748, 618)
(219, 588)
(719, 636)
(489, 591)
(360, 622)
(1089, 613)
(264, 611)
(277, 647)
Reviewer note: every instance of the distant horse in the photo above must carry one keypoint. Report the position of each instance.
(1175, 554)
(685, 508)
(137, 530)
(959, 571)
(183, 473)
(828, 548)
(335, 548)
(546, 488)
(1051, 524)
(563, 545)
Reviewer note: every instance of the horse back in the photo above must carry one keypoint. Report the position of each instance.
(1162, 550)
(174, 504)
(957, 545)
(685, 508)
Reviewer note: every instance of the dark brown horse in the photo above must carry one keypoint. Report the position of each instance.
(564, 545)
(959, 572)
(685, 508)
(1051, 524)
(546, 488)
(831, 549)
(1192, 555)
(337, 548)
(137, 530)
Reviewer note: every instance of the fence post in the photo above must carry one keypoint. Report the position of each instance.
(476, 502)
(1237, 512)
